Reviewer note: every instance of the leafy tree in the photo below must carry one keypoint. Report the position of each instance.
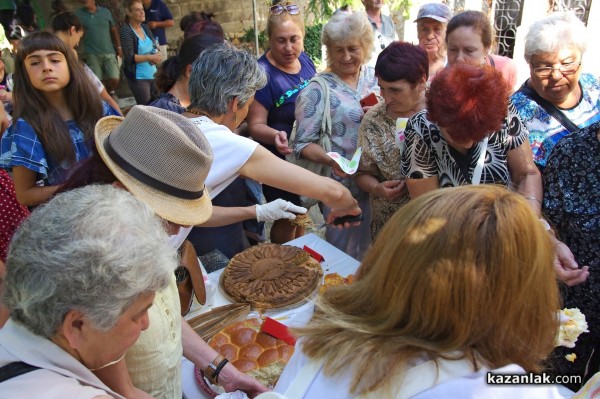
(323, 9)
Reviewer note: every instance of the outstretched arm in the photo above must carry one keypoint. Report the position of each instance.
(265, 167)
(201, 354)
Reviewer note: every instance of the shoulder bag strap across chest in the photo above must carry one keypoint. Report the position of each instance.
(548, 107)
(15, 369)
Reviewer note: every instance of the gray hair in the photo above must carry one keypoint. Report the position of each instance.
(346, 26)
(222, 73)
(95, 250)
(554, 32)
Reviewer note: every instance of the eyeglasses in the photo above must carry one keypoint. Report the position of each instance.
(565, 69)
(293, 9)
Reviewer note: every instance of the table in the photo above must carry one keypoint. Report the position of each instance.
(334, 261)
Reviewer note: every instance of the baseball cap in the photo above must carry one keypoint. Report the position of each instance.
(438, 11)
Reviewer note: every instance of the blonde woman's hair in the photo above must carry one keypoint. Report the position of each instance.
(345, 26)
(276, 20)
(462, 272)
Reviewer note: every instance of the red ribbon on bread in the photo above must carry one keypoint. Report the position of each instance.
(278, 330)
(314, 254)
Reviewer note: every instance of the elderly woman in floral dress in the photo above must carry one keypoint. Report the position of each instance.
(349, 41)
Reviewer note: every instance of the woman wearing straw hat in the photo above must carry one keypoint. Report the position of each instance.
(160, 158)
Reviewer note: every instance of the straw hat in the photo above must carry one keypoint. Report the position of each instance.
(162, 158)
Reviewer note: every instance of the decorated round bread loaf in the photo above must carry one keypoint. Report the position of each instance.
(252, 351)
(271, 276)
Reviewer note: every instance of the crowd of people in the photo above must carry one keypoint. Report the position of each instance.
(479, 199)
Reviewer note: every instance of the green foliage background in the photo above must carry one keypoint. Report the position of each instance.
(312, 42)
(321, 10)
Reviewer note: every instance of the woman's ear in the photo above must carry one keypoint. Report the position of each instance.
(188, 71)
(235, 104)
(74, 328)
(72, 30)
(422, 83)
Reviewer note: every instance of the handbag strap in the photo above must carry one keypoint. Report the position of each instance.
(476, 179)
(326, 123)
(305, 377)
(15, 369)
(549, 107)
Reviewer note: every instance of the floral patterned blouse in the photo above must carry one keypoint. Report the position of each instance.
(572, 206)
(428, 153)
(346, 114)
(544, 130)
(381, 157)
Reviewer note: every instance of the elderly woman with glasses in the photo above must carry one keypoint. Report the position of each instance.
(349, 41)
(271, 115)
(558, 98)
(82, 273)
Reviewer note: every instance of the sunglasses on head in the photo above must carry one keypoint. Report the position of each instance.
(293, 9)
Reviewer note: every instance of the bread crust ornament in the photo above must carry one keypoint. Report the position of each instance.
(271, 276)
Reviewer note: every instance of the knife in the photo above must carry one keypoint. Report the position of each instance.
(343, 219)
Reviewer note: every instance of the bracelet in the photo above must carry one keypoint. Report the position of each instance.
(212, 367)
(532, 198)
(218, 370)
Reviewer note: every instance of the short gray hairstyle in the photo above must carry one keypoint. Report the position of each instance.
(222, 73)
(554, 32)
(345, 26)
(95, 249)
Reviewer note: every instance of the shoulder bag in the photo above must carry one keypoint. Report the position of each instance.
(190, 281)
(324, 142)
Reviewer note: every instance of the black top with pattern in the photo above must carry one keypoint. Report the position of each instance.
(572, 206)
(428, 153)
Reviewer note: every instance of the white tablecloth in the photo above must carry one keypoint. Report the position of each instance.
(334, 261)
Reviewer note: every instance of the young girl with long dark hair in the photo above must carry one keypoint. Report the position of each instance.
(55, 111)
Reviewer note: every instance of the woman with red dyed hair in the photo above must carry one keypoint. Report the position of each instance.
(469, 134)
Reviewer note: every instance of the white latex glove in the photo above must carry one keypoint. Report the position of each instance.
(278, 209)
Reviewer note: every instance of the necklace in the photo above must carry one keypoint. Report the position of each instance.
(196, 111)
